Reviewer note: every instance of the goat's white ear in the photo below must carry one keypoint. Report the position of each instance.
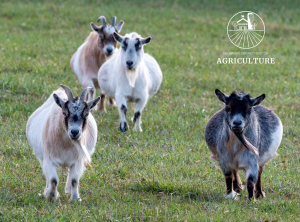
(221, 96)
(146, 40)
(118, 37)
(119, 26)
(93, 103)
(58, 100)
(258, 100)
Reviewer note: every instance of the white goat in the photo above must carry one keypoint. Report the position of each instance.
(98, 47)
(130, 76)
(62, 132)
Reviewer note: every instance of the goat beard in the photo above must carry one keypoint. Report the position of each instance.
(246, 143)
(131, 76)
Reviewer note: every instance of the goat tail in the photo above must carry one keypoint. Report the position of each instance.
(246, 143)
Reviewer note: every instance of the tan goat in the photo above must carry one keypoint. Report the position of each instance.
(99, 46)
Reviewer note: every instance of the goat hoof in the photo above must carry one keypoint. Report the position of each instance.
(52, 196)
(232, 195)
(260, 194)
(124, 128)
(75, 200)
(138, 129)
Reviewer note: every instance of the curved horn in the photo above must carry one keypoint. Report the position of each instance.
(246, 143)
(113, 22)
(84, 92)
(102, 18)
(68, 92)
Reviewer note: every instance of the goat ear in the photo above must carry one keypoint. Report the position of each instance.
(258, 100)
(93, 103)
(118, 37)
(221, 96)
(95, 27)
(146, 40)
(58, 100)
(119, 26)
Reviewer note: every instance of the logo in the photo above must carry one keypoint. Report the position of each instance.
(246, 29)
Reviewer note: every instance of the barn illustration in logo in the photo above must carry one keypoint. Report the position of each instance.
(246, 30)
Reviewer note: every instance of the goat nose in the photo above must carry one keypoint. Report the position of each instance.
(237, 122)
(74, 132)
(109, 50)
(129, 63)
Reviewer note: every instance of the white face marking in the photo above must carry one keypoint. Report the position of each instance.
(132, 56)
(110, 30)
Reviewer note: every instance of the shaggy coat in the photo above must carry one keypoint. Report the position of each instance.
(263, 130)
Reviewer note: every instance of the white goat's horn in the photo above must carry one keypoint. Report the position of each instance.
(102, 18)
(68, 92)
(113, 22)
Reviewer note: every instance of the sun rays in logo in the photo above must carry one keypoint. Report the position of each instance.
(246, 32)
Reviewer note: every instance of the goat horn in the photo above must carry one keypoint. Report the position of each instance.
(246, 143)
(102, 18)
(84, 92)
(113, 22)
(68, 92)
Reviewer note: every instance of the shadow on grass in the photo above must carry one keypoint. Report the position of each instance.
(188, 193)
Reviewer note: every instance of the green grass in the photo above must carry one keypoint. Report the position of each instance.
(170, 158)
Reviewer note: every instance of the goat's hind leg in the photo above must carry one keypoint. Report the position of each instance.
(92, 93)
(237, 183)
(258, 190)
(68, 187)
(102, 103)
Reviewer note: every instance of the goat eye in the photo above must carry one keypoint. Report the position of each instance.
(86, 115)
(64, 114)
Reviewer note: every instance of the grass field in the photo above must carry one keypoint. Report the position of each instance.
(164, 173)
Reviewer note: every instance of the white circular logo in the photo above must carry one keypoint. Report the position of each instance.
(246, 29)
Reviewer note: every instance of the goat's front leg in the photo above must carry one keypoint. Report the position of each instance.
(122, 106)
(139, 106)
(228, 180)
(228, 176)
(49, 170)
(75, 173)
(251, 176)
(112, 102)
(258, 191)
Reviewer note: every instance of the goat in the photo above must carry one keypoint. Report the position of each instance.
(243, 135)
(62, 132)
(96, 49)
(130, 76)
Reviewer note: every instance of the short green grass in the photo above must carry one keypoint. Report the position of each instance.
(164, 173)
